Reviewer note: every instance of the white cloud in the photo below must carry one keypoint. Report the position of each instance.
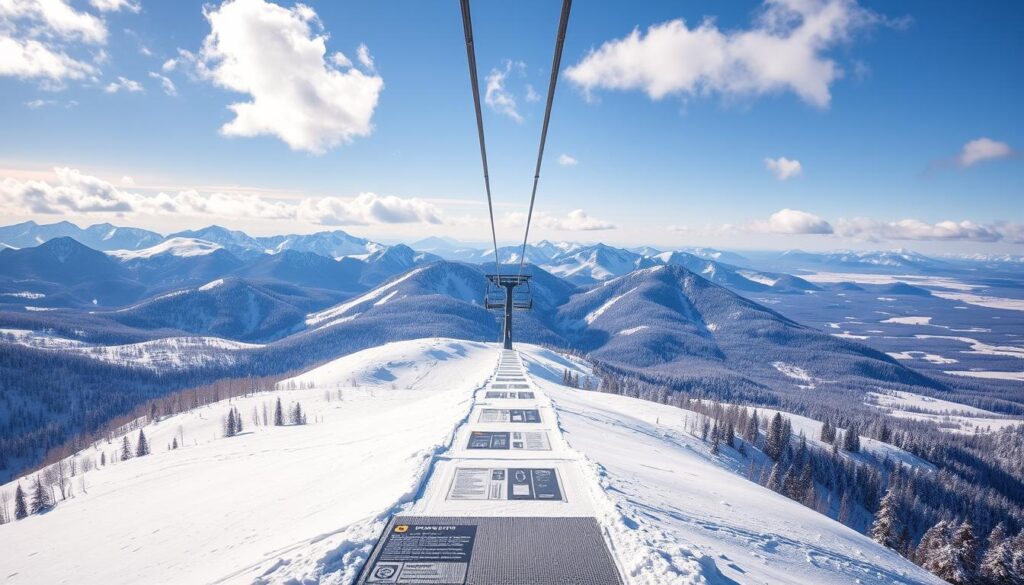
(792, 221)
(169, 65)
(567, 161)
(123, 84)
(36, 36)
(115, 5)
(76, 193)
(127, 181)
(273, 54)
(496, 95)
(363, 54)
(165, 83)
(52, 18)
(981, 150)
(39, 103)
(31, 59)
(784, 51)
(340, 60)
(913, 229)
(531, 94)
(367, 209)
(783, 168)
(575, 221)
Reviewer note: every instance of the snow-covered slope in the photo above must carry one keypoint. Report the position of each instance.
(303, 504)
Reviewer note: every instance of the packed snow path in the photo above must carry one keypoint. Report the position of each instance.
(508, 504)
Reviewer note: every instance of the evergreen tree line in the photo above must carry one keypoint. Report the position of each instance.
(898, 505)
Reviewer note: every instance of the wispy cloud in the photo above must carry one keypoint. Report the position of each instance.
(981, 150)
(792, 221)
(496, 93)
(165, 83)
(369, 209)
(783, 168)
(123, 84)
(116, 5)
(574, 221)
(567, 161)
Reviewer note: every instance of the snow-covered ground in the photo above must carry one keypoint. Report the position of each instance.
(159, 354)
(304, 504)
(949, 416)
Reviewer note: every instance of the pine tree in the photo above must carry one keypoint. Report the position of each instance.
(885, 528)
(1017, 548)
(229, 424)
(143, 447)
(807, 494)
(930, 550)
(997, 564)
(965, 555)
(238, 421)
(278, 414)
(298, 418)
(750, 435)
(730, 434)
(828, 432)
(174, 443)
(845, 514)
(775, 479)
(715, 448)
(851, 439)
(103, 458)
(773, 443)
(40, 497)
(20, 508)
(126, 449)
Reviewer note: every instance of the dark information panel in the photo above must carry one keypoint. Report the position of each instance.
(491, 551)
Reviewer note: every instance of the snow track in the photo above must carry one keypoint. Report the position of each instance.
(508, 461)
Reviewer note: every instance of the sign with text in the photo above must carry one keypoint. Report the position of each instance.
(506, 440)
(479, 483)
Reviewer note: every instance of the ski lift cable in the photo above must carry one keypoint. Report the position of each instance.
(467, 25)
(556, 61)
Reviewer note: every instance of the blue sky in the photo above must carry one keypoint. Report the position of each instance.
(904, 118)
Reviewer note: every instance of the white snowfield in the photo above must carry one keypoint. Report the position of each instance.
(951, 417)
(180, 247)
(387, 426)
(160, 355)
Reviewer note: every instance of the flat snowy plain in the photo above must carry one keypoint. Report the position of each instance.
(304, 504)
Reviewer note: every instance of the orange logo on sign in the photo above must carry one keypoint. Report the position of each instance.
(402, 528)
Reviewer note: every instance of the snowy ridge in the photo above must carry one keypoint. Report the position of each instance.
(180, 247)
(328, 317)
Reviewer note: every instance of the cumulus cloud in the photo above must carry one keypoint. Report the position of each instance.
(914, 229)
(575, 221)
(567, 161)
(792, 221)
(37, 35)
(278, 56)
(496, 94)
(783, 168)
(123, 84)
(368, 209)
(165, 83)
(981, 150)
(115, 5)
(785, 50)
(73, 192)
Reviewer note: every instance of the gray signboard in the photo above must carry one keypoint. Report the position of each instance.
(490, 551)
